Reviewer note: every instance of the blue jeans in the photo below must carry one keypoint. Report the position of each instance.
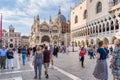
(24, 58)
(38, 69)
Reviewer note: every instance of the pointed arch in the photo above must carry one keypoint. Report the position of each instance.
(92, 41)
(107, 26)
(113, 39)
(106, 41)
(83, 43)
(104, 27)
(116, 25)
(112, 25)
(97, 40)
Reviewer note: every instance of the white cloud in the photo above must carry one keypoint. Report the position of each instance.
(25, 10)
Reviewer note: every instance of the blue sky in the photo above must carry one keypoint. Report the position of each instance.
(20, 13)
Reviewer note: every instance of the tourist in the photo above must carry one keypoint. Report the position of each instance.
(19, 52)
(101, 70)
(34, 49)
(82, 54)
(24, 52)
(10, 57)
(91, 53)
(37, 62)
(115, 61)
(55, 51)
(51, 51)
(28, 53)
(3, 53)
(111, 50)
(46, 60)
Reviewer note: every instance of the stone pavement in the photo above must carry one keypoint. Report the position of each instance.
(67, 67)
(71, 64)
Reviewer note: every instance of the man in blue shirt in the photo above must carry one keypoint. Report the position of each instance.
(3, 53)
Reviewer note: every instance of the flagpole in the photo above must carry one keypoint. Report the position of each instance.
(1, 31)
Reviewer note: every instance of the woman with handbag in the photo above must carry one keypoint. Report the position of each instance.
(101, 70)
(82, 54)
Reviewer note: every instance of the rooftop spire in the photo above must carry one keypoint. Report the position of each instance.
(59, 12)
(38, 17)
(50, 19)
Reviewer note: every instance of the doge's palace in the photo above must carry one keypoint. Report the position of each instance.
(94, 20)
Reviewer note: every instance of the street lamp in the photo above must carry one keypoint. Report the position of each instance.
(51, 37)
(73, 44)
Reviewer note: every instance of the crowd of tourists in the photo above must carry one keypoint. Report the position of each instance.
(43, 55)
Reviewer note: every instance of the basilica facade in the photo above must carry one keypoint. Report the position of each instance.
(54, 32)
(94, 20)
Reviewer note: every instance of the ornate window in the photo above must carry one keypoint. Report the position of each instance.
(76, 19)
(85, 14)
(99, 7)
(115, 2)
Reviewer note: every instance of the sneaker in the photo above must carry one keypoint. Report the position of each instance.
(12, 67)
(39, 78)
(35, 77)
(47, 76)
(4, 68)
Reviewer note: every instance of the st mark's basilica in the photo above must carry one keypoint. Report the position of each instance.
(54, 32)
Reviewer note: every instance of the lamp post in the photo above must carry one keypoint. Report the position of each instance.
(73, 44)
(51, 37)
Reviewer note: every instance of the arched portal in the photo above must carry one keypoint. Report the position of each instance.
(45, 39)
(106, 41)
(113, 39)
(92, 41)
(98, 40)
(83, 43)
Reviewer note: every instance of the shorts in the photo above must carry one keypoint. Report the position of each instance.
(46, 65)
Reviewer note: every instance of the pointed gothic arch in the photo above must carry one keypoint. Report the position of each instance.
(92, 41)
(113, 39)
(83, 43)
(106, 41)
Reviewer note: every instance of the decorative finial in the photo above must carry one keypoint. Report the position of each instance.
(50, 19)
(59, 12)
(38, 17)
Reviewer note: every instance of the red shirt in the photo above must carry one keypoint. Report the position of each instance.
(82, 53)
(46, 56)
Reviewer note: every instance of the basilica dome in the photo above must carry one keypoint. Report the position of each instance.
(60, 17)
